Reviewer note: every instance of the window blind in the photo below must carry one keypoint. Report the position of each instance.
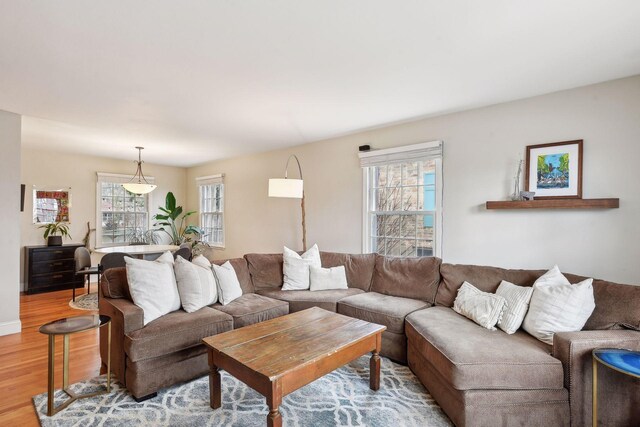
(119, 178)
(211, 179)
(422, 151)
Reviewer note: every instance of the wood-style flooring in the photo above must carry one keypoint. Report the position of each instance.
(23, 356)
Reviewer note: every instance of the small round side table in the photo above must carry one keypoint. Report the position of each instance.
(621, 360)
(66, 327)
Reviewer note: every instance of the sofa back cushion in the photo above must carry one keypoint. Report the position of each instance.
(359, 268)
(265, 270)
(114, 284)
(616, 305)
(242, 271)
(416, 278)
(485, 278)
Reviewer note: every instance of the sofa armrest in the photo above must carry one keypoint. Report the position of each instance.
(574, 349)
(126, 317)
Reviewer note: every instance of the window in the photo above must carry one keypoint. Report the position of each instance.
(402, 200)
(122, 216)
(211, 189)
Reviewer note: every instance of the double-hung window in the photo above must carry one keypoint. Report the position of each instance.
(211, 192)
(122, 216)
(402, 200)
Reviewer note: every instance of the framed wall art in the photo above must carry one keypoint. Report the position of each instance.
(51, 205)
(555, 170)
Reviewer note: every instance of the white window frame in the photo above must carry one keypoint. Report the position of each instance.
(217, 179)
(121, 179)
(432, 150)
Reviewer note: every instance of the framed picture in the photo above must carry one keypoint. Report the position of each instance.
(555, 170)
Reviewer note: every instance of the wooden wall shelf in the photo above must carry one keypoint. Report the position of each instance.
(556, 204)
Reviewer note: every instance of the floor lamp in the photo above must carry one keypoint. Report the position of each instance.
(293, 189)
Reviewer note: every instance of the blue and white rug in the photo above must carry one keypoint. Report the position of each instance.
(341, 398)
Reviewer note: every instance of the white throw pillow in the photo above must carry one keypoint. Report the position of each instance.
(483, 308)
(153, 287)
(296, 268)
(322, 279)
(166, 257)
(202, 261)
(196, 285)
(227, 281)
(517, 303)
(558, 306)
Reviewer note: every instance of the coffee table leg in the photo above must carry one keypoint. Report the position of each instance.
(274, 419)
(215, 398)
(374, 366)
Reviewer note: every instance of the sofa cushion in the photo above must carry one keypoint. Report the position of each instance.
(114, 284)
(616, 304)
(242, 272)
(301, 300)
(471, 357)
(359, 268)
(175, 331)
(416, 278)
(266, 270)
(382, 309)
(253, 308)
(487, 279)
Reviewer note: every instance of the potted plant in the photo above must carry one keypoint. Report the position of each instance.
(54, 232)
(177, 230)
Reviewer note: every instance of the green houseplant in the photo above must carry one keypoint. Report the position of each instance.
(54, 232)
(172, 221)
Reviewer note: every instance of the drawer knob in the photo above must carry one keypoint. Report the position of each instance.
(57, 276)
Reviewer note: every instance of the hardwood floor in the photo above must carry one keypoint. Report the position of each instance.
(23, 356)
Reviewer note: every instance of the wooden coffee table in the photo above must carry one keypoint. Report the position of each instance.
(278, 356)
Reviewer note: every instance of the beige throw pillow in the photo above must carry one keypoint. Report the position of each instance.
(516, 305)
(196, 285)
(153, 287)
(296, 268)
(482, 307)
(558, 306)
(322, 279)
(227, 281)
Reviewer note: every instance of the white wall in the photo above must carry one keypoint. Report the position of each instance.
(482, 148)
(57, 169)
(10, 248)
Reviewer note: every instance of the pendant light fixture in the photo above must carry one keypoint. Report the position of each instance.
(141, 186)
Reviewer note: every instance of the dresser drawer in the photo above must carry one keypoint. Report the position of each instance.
(49, 267)
(41, 255)
(53, 279)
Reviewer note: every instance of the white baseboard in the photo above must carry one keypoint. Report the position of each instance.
(7, 328)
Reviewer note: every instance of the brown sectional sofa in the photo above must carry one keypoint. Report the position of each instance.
(479, 377)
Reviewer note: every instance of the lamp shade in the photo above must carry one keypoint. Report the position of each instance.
(285, 187)
(139, 188)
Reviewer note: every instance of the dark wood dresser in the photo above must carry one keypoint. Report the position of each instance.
(50, 268)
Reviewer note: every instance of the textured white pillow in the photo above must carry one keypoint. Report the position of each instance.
(483, 308)
(166, 257)
(196, 285)
(517, 303)
(296, 268)
(153, 287)
(322, 279)
(558, 306)
(227, 282)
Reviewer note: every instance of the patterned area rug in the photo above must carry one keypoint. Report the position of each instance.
(341, 398)
(85, 302)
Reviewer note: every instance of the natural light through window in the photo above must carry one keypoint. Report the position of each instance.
(211, 192)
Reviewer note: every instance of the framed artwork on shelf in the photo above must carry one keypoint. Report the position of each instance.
(554, 171)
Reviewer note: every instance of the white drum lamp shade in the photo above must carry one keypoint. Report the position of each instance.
(285, 187)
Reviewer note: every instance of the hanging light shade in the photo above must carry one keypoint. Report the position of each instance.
(139, 184)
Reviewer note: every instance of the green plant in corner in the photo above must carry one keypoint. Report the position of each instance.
(171, 218)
